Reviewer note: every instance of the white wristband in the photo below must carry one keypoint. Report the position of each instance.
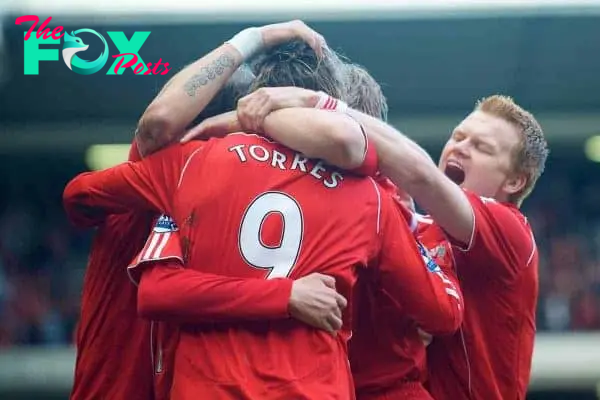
(248, 42)
(326, 102)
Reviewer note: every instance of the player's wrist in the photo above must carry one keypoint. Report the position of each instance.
(294, 300)
(327, 102)
(281, 292)
(247, 42)
(311, 98)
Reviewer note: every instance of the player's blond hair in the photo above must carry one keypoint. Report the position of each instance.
(529, 157)
(363, 93)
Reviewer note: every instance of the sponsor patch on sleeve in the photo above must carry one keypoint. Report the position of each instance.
(431, 265)
(165, 224)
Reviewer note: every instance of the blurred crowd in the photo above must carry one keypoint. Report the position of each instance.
(42, 258)
(565, 217)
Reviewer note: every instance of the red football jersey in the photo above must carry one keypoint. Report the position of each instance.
(439, 249)
(490, 358)
(387, 353)
(162, 245)
(250, 208)
(167, 292)
(113, 345)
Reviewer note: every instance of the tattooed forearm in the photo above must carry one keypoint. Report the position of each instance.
(209, 73)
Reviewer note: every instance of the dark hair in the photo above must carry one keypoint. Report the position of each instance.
(296, 64)
(226, 100)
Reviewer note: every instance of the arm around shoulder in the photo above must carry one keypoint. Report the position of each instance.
(79, 206)
(409, 166)
(172, 293)
(331, 136)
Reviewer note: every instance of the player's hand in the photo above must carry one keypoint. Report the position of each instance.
(315, 302)
(275, 34)
(217, 126)
(254, 108)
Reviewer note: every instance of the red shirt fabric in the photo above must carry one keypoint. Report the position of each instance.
(250, 208)
(168, 292)
(171, 295)
(387, 353)
(113, 344)
(490, 357)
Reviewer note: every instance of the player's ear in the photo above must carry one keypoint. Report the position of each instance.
(515, 183)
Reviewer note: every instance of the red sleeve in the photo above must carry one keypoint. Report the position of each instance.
(88, 216)
(412, 279)
(145, 185)
(169, 292)
(163, 243)
(502, 240)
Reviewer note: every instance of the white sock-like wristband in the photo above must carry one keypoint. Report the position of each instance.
(326, 102)
(248, 42)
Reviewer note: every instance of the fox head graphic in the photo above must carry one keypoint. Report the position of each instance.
(72, 44)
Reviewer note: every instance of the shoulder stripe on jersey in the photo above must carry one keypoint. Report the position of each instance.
(156, 246)
(187, 162)
(378, 202)
(453, 293)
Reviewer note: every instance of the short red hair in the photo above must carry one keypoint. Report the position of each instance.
(530, 155)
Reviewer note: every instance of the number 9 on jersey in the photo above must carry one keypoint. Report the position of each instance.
(281, 259)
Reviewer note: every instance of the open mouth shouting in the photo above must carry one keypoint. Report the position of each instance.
(455, 171)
